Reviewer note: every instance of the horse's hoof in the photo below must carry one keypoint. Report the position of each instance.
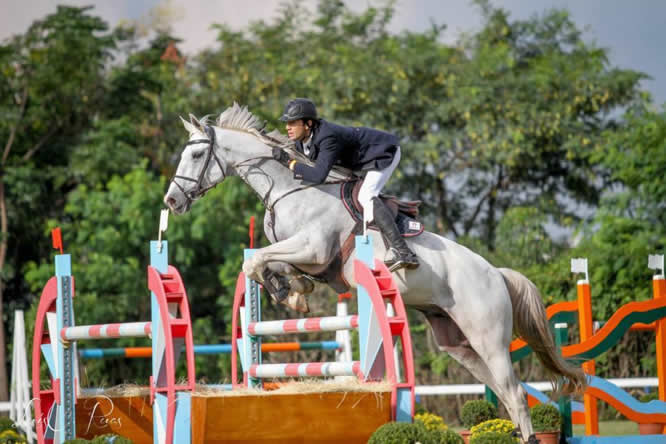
(533, 439)
(301, 285)
(296, 301)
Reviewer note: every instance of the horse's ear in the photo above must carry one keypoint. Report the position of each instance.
(188, 126)
(196, 123)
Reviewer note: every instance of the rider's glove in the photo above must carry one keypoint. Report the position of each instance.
(281, 156)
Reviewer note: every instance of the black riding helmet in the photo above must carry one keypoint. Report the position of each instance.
(299, 109)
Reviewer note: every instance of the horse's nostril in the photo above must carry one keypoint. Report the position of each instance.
(171, 201)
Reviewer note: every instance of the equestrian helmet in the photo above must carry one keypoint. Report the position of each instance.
(299, 109)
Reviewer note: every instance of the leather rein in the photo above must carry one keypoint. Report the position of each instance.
(199, 190)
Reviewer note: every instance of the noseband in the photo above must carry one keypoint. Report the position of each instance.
(199, 190)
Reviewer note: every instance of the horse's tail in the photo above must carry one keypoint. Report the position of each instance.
(531, 323)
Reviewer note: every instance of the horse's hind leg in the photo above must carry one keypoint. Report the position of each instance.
(495, 370)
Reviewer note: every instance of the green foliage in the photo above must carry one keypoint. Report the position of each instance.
(652, 396)
(545, 418)
(111, 439)
(11, 436)
(477, 411)
(493, 438)
(6, 424)
(400, 433)
(102, 439)
(446, 436)
(430, 421)
(493, 425)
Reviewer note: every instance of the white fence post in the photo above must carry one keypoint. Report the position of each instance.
(342, 337)
(20, 405)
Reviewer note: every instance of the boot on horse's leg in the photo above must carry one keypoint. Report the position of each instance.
(399, 255)
(276, 285)
(288, 292)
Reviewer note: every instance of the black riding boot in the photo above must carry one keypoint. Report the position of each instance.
(276, 285)
(399, 255)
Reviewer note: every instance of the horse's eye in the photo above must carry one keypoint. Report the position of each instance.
(197, 155)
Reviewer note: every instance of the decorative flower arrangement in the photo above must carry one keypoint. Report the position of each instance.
(545, 418)
(431, 421)
(477, 411)
(503, 426)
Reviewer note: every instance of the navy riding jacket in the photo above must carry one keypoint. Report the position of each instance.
(350, 147)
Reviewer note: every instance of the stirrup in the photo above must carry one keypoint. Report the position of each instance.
(398, 261)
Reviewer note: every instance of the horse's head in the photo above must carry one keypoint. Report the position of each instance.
(200, 167)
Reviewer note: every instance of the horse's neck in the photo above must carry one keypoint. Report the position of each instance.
(253, 162)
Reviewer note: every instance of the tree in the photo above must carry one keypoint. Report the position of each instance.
(51, 81)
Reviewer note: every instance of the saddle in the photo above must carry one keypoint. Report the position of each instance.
(405, 212)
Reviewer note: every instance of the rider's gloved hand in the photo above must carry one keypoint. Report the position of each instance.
(281, 156)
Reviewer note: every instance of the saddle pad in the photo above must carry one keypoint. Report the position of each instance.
(408, 226)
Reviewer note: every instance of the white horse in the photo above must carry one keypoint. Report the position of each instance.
(471, 306)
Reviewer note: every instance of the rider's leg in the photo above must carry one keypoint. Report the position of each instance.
(399, 255)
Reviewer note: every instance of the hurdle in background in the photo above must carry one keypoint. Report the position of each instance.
(55, 406)
(644, 315)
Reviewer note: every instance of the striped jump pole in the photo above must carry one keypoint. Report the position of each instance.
(106, 331)
(56, 336)
(377, 331)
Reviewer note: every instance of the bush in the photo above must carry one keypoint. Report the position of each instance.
(102, 439)
(430, 421)
(494, 425)
(401, 433)
(477, 411)
(652, 396)
(11, 436)
(493, 438)
(111, 439)
(6, 424)
(445, 437)
(545, 418)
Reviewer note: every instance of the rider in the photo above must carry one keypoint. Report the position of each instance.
(364, 149)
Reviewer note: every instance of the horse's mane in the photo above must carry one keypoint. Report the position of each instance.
(239, 118)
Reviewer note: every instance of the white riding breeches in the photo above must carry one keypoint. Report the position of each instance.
(372, 185)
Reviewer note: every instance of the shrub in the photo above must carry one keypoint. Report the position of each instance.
(102, 439)
(494, 425)
(6, 424)
(445, 437)
(652, 396)
(11, 436)
(111, 439)
(431, 421)
(477, 411)
(492, 438)
(545, 418)
(400, 433)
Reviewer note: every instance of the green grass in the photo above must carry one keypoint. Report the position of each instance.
(611, 428)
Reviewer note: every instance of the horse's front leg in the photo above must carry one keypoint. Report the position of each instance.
(296, 250)
(298, 281)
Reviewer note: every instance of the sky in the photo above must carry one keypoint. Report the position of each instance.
(634, 32)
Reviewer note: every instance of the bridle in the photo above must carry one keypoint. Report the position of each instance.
(199, 190)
